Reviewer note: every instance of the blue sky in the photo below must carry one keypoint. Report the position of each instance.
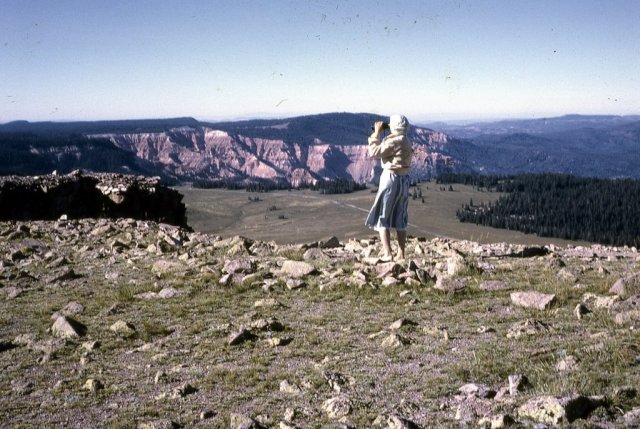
(214, 60)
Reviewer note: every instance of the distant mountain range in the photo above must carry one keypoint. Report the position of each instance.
(308, 148)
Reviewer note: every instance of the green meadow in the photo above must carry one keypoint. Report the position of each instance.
(301, 216)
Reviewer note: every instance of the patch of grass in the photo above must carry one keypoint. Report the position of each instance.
(150, 330)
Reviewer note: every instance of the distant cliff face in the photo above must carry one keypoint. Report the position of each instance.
(206, 153)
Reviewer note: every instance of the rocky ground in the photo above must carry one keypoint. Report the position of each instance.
(125, 323)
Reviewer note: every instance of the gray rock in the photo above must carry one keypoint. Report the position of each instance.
(337, 407)
(297, 269)
(632, 418)
(598, 301)
(329, 243)
(240, 337)
(66, 327)
(158, 424)
(388, 269)
(403, 321)
(168, 292)
(93, 385)
(626, 286)
(314, 254)
(531, 299)
(394, 340)
(496, 422)
(239, 265)
(517, 383)
(392, 421)
(627, 317)
(477, 390)
(527, 327)
(270, 324)
(450, 284)
(293, 284)
(287, 387)
(183, 390)
(123, 329)
(555, 410)
(71, 309)
(241, 421)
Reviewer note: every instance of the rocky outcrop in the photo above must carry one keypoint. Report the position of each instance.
(79, 195)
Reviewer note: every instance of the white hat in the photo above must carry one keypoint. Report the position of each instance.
(398, 124)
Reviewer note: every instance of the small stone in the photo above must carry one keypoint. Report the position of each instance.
(394, 340)
(532, 299)
(65, 327)
(599, 302)
(158, 424)
(400, 323)
(497, 422)
(477, 390)
(393, 421)
(450, 284)
(225, 280)
(526, 328)
(289, 414)
(580, 311)
(278, 342)
(632, 418)
(389, 281)
(161, 377)
(122, 328)
(314, 254)
(329, 243)
(295, 284)
(269, 324)
(206, 415)
(287, 387)
(168, 292)
(240, 421)
(93, 385)
(239, 266)
(240, 337)
(569, 363)
(517, 384)
(626, 286)
(388, 269)
(297, 269)
(555, 410)
(183, 390)
(337, 407)
(71, 309)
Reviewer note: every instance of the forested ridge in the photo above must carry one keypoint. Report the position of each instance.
(605, 211)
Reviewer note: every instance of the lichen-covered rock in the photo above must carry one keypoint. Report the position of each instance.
(555, 410)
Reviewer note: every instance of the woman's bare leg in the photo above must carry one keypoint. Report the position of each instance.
(385, 237)
(402, 240)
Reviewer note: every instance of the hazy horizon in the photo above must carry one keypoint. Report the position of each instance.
(218, 60)
(447, 120)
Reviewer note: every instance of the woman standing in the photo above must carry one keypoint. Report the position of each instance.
(390, 208)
